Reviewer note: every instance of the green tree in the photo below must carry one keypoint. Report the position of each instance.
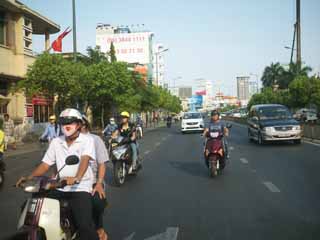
(95, 55)
(49, 76)
(305, 91)
(271, 75)
(112, 53)
(292, 73)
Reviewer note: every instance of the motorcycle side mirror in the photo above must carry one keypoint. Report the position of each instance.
(72, 160)
(229, 125)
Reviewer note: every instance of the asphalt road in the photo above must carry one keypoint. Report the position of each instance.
(265, 192)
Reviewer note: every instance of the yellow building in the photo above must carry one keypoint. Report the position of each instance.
(18, 24)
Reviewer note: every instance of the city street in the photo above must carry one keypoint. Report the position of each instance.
(266, 192)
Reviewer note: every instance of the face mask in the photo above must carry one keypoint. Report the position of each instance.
(70, 129)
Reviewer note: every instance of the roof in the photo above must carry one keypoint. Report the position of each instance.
(40, 24)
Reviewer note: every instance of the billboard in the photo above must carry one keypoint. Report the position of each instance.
(185, 92)
(129, 47)
(195, 102)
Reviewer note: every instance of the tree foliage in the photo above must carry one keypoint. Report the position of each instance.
(107, 87)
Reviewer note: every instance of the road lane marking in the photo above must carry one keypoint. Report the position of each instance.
(231, 148)
(158, 144)
(171, 233)
(244, 161)
(164, 138)
(311, 143)
(146, 152)
(130, 237)
(272, 188)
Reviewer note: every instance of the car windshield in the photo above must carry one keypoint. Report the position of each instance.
(192, 116)
(268, 113)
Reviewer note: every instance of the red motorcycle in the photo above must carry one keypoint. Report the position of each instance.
(214, 151)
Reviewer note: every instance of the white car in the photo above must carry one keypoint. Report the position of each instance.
(192, 122)
(306, 115)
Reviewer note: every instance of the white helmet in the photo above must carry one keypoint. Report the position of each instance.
(70, 115)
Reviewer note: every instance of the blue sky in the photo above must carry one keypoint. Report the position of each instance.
(216, 40)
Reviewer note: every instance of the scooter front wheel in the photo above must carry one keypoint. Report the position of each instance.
(213, 166)
(119, 174)
(1, 179)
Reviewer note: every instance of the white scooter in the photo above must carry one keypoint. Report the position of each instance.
(44, 218)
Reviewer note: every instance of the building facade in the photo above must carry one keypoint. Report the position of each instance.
(159, 66)
(133, 46)
(18, 23)
(243, 88)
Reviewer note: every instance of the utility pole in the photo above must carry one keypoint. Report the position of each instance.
(74, 30)
(298, 29)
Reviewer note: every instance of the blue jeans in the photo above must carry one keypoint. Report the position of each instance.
(134, 148)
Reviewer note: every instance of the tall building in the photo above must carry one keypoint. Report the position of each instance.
(18, 23)
(132, 45)
(185, 92)
(159, 67)
(205, 89)
(243, 88)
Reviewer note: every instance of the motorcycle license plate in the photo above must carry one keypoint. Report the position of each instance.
(214, 134)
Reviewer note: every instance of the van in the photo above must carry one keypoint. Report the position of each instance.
(272, 122)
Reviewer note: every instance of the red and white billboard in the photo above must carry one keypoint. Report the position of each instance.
(130, 47)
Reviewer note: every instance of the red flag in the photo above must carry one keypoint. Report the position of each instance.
(57, 44)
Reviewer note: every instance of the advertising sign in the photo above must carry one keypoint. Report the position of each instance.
(129, 47)
(196, 101)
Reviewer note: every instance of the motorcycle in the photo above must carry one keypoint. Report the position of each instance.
(214, 151)
(139, 131)
(121, 157)
(44, 218)
(2, 170)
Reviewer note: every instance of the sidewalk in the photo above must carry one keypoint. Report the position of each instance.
(23, 148)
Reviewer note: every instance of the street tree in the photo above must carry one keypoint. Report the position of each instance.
(271, 75)
(112, 53)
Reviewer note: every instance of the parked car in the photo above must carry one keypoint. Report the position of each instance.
(236, 113)
(272, 122)
(306, 115)
(191, 122)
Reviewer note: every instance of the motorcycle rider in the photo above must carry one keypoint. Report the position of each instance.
(79, 180)
(110, 128)
(52, 130)
(139, 124)
(99, 170)
(127, 129)
(215, 124)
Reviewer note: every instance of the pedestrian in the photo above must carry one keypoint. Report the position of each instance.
(2, 136)
(52, 130)
(8, 127)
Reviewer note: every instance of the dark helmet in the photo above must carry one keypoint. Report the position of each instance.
(214, 112)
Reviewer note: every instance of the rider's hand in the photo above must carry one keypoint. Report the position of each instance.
(71, 180)
(99, 189)
(22, 180)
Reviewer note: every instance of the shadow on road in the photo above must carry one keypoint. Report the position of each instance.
(197, 169)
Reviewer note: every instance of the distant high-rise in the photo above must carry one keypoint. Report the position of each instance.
(185, 92)
(243, 88)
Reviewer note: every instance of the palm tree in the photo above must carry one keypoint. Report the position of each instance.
(272, 74)
(293, 72)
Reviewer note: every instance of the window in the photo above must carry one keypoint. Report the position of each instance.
(3, 29)
(42, 113)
